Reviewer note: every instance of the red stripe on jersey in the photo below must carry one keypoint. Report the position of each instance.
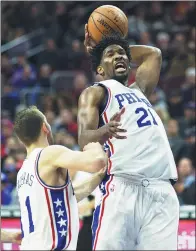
(102, 211)
(110, 166)
(51, 221)
(109, 143)
(70, 236)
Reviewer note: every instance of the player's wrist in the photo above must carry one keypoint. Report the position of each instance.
(105, 132)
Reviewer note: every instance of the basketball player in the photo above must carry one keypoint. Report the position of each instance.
(10, 237)
(49, 212)
(139, 209)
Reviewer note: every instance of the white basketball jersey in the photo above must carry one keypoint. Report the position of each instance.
(146, 151)
(49, 215)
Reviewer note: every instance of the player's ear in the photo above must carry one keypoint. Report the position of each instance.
(100, 70)
(45, 129)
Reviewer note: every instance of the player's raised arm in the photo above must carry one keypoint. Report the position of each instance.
(149, 60)
(92, 159)
(88, 118)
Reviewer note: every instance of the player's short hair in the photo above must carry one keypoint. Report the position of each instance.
(28, 124)
(97, 52)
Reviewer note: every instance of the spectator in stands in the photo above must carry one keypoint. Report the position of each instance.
(70, 142)
(177, 144)
(188, 87)
(79, 84)
(67, 122)
(51, 118)
(10, 99)
(50, 55)
(192, 39)
(187, 121)
(49, 104)
(186, 178)
(190, 138)
(22, 47)
(6, 129)
(163, 43)
(145, 39)
(76, 56)
(137, 23)
(44, 76)
(10, 169)
(156, 13)
(6, 196)
(24, 75)
(6, 66)
(11, 145)
(175, 104)
(182, 58)
(24, 79)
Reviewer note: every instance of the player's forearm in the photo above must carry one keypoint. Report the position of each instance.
(87, 136)
(139, 53)
(85, 188)
(6, 237)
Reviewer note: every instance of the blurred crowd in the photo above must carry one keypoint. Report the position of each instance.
(167, 25)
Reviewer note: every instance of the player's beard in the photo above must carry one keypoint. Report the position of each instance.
(121, 78)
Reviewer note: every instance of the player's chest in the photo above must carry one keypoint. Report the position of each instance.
(129, 99)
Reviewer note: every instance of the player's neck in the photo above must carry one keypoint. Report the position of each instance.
(39, 144)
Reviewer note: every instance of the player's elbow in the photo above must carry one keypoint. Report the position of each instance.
(97, 165)
(157, 54)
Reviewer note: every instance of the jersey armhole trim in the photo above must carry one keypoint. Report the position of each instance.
(108, 98)
(42, 182)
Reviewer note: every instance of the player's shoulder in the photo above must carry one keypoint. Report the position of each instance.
(50, 153)
(135, 86)
(93, 94)
(95, 88)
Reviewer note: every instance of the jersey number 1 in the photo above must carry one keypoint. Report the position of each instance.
(31, 226)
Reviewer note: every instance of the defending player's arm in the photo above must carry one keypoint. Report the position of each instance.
(85, 188)
(88, 119)
(10, 237)
(149, 60)
(92, 159)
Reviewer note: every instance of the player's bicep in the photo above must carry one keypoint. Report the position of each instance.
(88, 109)
(57, 156)
(147, 75)
(88, 118)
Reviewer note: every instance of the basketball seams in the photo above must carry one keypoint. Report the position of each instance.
(121, 12)
(107, 20)
(110, 21)
(96, 26)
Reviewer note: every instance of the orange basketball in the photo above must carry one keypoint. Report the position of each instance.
(107, 20)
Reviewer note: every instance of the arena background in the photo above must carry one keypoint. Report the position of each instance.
(44, 63)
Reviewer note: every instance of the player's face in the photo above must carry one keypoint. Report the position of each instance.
(115, 64)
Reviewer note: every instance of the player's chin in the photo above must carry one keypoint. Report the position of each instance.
(121, 76)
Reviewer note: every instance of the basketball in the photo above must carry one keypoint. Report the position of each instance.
(107, 20)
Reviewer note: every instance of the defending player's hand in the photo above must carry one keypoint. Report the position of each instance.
(16, 237)
(88, 41)
(100, 152)
(113, 127)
